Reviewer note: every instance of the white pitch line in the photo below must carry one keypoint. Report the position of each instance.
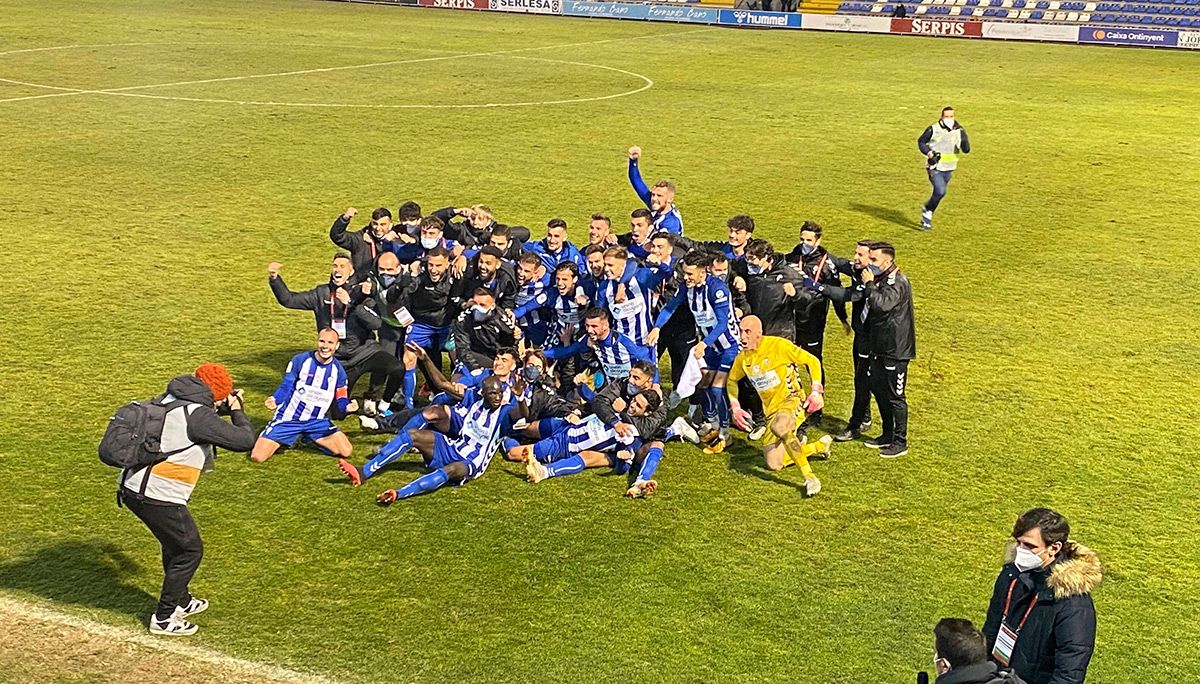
(197, 653)
(128, 91)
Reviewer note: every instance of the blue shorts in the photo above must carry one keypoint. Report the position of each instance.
(428, 336)
(445, 453)
(286, 432)
(719, 361)
(551, 449)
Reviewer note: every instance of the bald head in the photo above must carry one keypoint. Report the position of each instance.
(751, 332)
(388, 263)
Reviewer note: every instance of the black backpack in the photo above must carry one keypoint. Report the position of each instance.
(133, 438)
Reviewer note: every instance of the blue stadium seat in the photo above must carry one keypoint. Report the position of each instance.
(1002, 13)
(1109, 18)
(1189, 12)
(1043, 4)
(1147, 19)
(1160, 20)
(1036, 15)
(1173, 21)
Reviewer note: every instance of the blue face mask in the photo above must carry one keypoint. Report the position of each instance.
(632, 389)
(532, 373)
(753, 269)
(807, 249)
(479, 312)
(875, 270)
(387, 279)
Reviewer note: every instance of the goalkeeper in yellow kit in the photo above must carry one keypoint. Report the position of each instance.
(772, 364)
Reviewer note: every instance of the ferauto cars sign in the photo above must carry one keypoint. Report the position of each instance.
(938, 27)
(527, 6)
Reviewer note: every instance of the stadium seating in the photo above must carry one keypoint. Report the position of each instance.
(1183, 14)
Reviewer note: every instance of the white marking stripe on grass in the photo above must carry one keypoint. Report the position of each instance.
(128, 90)
(165, 644)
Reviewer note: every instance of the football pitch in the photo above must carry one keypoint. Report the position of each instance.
(157, 155)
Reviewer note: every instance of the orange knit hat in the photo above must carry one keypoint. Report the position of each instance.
(217, 378)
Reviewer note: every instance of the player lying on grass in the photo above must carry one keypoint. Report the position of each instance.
(773, 366)
(594, 443)
(457, 446)
(313, 385)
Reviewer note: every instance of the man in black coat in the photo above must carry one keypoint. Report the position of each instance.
(367, 244)
(1041, 621)
(476, 227)
(345, 305)
(482, 330)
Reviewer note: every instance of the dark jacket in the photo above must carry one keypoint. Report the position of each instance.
(1056, 643)
(361, 316)
(544, 402)
(811, 312)
(889, 323)
(204, 425)
(465, 234)
(429, 302)
(363, 247)
(503, 285)
(980, 673)
(602, 405)
(477, 342)
(767, 300)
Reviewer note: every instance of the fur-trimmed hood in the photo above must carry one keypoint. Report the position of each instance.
(1077, 575)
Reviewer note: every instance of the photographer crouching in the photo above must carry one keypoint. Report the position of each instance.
(158, 493)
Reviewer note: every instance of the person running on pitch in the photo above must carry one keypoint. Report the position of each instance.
(773, 366)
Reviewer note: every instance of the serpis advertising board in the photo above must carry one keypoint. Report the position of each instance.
(455, 4)
(753, 18)
(938, 27)
(526, 6)
(1120, 36)
(695, 15)
(613, 10)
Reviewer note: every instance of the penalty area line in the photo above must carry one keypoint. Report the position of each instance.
(41, 613)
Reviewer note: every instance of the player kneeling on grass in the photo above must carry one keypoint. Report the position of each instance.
(593, 443)
(772, 364)
(314, 385)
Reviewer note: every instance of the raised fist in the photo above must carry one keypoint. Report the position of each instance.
(349, 213)
(273, 268)
(635, 152)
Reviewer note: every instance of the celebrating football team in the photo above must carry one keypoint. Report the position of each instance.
(478, 338)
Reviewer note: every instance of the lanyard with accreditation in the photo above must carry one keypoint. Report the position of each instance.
(1006, 638)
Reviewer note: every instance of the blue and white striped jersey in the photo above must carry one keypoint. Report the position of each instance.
(567, 312)
(712, 306)
(632, 316)
(481, 431)
(593, 435)
(532, 298)
(309, 388)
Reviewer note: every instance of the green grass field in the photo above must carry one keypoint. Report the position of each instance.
(1056, 305)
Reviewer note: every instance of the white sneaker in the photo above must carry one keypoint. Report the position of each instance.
(196, 605)
(757, 433)
(172, 626)
(812, 486)
(685, 431)
(368, 423)
(369, 407)
(536, 471)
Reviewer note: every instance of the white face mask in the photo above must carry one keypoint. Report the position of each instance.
(429, 243)
(1027, 560)
(949, 122)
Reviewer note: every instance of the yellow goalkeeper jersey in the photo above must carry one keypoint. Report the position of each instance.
(774, 370)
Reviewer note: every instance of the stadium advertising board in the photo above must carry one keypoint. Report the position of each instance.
(846, 22)
(455, 4)
(938, 27)
(696, 15)
(1009, 30)
(1189, 39)
(526, 6)
(612, 10)
(1121, 36)
(753, 18)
